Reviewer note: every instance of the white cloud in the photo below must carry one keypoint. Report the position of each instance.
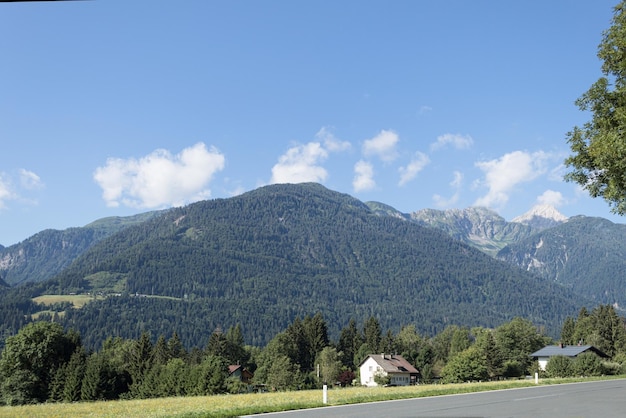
(382, 145)
(502, 175)
(331, 143)
(363, 176)
(6, 192)
(417, 164)
(30, 180)
(160, 179)
(458, 141)
(552, 198)
(301, 164)
(456, 183)
(13, 186)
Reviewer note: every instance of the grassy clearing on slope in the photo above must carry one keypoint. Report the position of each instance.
(78, 301)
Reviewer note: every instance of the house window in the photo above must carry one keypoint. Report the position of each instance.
(371, 368)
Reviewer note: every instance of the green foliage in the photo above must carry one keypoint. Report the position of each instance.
(350, 340)
(587, 364)
(599, 147)
(372, 334)
(382, 378)
(468, 365)
(31, 359)
(559, 366)
(210, 377)
(124, 369)
(283, 374)
(601, 327)
(516, 340)
(329, 365)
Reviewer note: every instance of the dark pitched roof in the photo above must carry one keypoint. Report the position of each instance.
(566, 350)
(392, 363)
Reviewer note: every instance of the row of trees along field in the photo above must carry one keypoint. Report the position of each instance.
(45, 363)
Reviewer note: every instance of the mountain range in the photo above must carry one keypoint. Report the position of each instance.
(262, 258)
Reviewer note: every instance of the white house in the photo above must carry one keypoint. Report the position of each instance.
(571, 351)
(400, 371)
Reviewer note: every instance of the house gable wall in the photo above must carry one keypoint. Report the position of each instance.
(368, 370)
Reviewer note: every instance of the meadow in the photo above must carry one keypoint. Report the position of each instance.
(78, 301)
(254, 403)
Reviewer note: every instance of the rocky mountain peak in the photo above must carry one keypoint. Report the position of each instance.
(541, 217)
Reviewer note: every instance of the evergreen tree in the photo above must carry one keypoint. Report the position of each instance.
(75, 372)
(609, 330)
(175, 347)
(210, 376)
(217, 345)
(349, 342)
(139, 361)
(372, 334)
(236, 352)
(316, 337)
(568, 330)
(486, 345)
(94, 383)
(161, 352)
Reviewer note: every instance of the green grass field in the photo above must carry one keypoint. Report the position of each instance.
(77, 300)
(237, 405)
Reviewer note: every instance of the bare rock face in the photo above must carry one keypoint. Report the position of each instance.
(541, 217)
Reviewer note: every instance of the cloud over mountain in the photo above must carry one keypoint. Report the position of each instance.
(159, 179)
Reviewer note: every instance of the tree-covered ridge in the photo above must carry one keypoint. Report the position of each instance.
(586, 254)
(48, 252)
(267, 256)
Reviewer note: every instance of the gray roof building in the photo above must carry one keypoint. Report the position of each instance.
(571, 351)
(566, 350)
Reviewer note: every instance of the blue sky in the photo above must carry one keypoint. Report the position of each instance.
(116, 107)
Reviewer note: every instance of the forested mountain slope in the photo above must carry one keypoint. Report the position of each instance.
(587, 254)
(46, 253)
(269, 255)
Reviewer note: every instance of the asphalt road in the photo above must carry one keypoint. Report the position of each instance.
(576, 400)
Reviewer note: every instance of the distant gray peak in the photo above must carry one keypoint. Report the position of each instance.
(541, 211)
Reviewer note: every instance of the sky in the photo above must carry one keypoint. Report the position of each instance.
(118, 107)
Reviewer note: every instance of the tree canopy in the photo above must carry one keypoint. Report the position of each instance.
(598, 162)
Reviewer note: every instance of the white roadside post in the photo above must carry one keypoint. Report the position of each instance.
(325, 394)
(536, 378)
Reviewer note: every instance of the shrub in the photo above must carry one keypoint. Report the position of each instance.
(559, 366)
(587, 364)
